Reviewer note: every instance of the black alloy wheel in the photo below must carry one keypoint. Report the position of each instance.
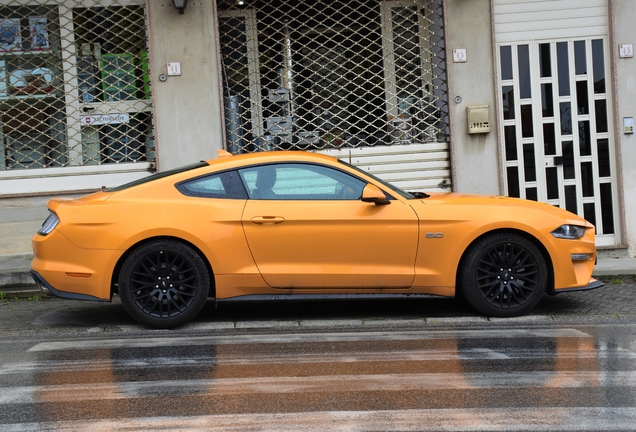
(163, 283)
(503, 275)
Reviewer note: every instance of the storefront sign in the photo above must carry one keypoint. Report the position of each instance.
(101, 119)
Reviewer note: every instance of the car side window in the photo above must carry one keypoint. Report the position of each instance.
(293, 181)
(225, 185)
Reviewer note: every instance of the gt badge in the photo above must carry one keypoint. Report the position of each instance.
(434, 235)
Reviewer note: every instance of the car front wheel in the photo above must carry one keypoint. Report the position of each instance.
(163, 283)
(503, 275)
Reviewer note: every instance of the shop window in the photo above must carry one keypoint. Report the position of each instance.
(333, 74)
(74, 85)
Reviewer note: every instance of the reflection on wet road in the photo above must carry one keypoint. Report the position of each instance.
(490, 379)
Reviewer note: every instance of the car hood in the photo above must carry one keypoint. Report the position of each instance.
(501, 201)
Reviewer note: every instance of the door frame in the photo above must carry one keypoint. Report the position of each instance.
(253, 66)
(541, 160)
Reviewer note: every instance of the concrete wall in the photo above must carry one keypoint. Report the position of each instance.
(475, 157)
(187, 107)
(623, 15)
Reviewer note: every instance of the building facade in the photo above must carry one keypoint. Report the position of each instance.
(532, 99)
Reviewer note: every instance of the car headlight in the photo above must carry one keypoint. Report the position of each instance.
(570, 232)
(49, 224)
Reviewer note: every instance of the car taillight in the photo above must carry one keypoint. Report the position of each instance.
(49, 224)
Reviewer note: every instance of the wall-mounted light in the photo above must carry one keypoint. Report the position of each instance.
(180, 5)
(240, 2)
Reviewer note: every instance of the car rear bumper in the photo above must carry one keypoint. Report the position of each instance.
(48, 289)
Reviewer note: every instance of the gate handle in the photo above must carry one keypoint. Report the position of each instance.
(262, 220)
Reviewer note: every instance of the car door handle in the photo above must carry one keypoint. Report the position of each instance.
(261, 220)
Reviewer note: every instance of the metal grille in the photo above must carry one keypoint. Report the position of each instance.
(333, 74)
(74, 84)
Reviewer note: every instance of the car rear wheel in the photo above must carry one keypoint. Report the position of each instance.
(503, 275)
(163, 284)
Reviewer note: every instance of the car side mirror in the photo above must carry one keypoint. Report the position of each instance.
(373, 194)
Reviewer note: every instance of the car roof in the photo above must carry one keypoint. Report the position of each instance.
(271, 156)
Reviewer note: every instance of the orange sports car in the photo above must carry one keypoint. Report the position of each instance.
(293, 224)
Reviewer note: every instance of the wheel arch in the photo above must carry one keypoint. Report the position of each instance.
(540, 246)
(126, 254)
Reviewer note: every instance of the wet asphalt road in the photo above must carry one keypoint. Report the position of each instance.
(348, 365)
(484, 378)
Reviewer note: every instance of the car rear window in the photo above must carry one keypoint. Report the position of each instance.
(226, 185)
(159, 175)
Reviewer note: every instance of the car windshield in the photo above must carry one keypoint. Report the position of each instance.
(159, 175)
(397, 190)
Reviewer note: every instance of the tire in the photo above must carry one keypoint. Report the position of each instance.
(503, 275)
(163, 284)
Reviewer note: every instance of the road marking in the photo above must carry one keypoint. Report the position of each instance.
(236, 360)
(496, 333)
(316, 384)
(474, 354)
(478, 419)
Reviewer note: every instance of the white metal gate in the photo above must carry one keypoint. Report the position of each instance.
(556, 126)
(351, 78)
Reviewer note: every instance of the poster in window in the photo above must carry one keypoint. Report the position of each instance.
(39, 33)
(3, 79)
(10, 35)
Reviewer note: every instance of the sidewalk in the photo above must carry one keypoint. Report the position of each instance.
(20, 218)
(615, 267)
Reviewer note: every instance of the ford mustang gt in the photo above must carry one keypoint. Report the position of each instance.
(293, 224)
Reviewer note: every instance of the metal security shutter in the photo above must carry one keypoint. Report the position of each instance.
(415, 167)
(74, 94)
(519, 20)
(363, 80)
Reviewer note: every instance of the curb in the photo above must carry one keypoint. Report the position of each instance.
(24, 292)
(17, 280)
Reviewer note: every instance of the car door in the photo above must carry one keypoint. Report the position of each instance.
(307, 228)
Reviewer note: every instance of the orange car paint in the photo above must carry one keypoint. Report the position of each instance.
(408, 246)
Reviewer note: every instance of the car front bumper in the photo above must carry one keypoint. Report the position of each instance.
(593, 284)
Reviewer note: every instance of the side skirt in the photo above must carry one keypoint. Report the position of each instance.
(303, 297)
